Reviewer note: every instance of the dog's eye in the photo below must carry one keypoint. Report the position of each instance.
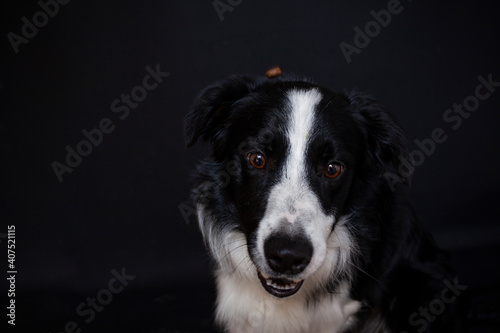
(257, 160)
(334, 170)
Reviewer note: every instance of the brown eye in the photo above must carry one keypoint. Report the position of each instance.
(334, 170)
(257, 160)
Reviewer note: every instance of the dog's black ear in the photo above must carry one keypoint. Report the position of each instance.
(386, 138)
(211, 108)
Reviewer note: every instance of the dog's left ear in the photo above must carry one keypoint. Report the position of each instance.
(386, 138)
(213, 106)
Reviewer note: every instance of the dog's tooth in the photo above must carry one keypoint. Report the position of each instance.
(279, 286)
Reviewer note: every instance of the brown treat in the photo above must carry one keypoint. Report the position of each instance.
(273, 72)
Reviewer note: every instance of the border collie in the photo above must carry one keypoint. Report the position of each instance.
(307, 232)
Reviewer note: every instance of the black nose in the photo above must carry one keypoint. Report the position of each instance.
(287, 255)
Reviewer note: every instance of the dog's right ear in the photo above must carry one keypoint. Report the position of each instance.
(212, 107)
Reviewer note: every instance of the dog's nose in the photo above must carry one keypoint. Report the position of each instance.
(287, 255)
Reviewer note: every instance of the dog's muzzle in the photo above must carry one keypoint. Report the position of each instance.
(286, 257)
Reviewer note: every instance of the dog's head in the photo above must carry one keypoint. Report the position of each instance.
(291, 165)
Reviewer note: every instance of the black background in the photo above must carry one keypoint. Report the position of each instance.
(120, 207)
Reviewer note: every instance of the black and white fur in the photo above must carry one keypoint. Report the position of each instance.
(294, 249)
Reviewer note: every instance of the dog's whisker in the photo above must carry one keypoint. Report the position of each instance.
(364, 272)
(232, 250)
(246, 258)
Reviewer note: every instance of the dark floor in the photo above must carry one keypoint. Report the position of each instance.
(171, 309)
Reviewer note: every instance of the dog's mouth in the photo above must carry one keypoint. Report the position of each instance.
(279, 287)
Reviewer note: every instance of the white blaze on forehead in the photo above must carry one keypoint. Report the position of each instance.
(302, 104)
(291, 200)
